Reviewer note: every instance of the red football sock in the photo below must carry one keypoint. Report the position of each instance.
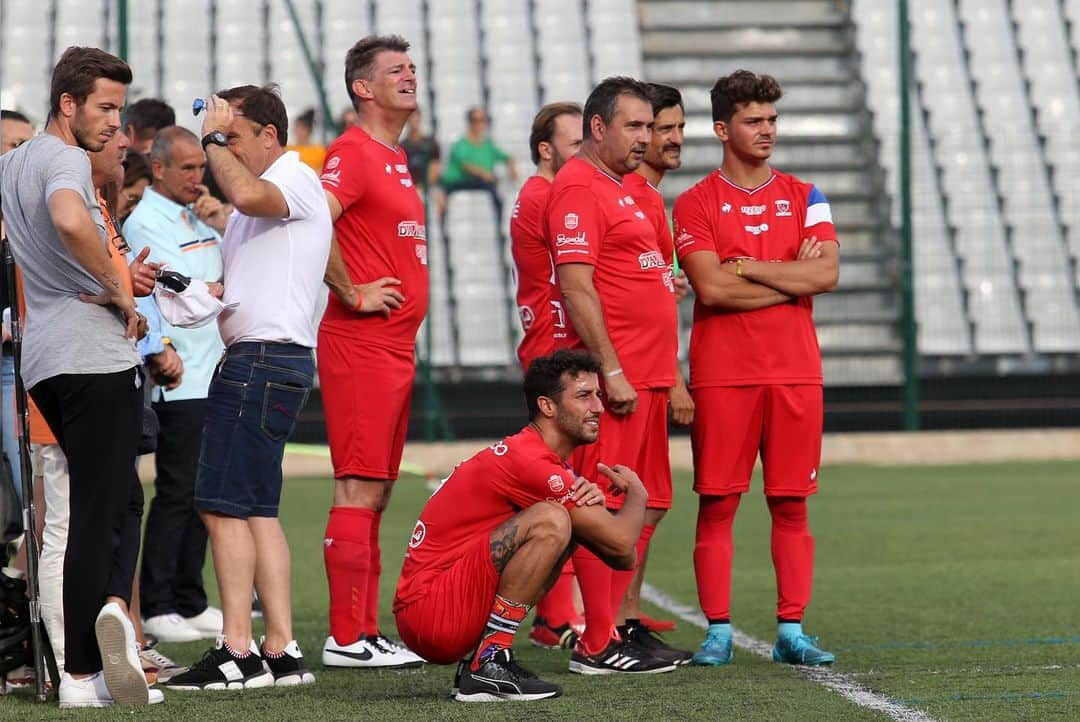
(503, 623)
(594, 578)
(557, 606)
(621, 580)
(793, 555)
(713, 552)
(371, 609)
(348, 566)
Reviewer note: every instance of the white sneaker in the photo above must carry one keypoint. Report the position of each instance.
(171, 628)
(366, 652)
(208, 622)
(121, 667)
(89, 692)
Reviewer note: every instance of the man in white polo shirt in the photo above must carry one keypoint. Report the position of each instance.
(275, 251)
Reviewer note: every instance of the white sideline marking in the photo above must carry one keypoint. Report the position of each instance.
(842, 684)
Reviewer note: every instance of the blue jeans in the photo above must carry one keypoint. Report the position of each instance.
(10, 440)
(255, 396)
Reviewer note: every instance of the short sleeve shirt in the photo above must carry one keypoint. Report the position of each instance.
(592, 218)
(478, 496)
(773, 345)
(484, 155)
(381, 233)
(537, 286)
(649, 198)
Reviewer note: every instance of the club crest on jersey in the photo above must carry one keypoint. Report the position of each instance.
(726, 208)
(651, 259)
(556, 483)
(418, 535)
(527, 317)
(333, 163)
(570, 221)
(500, 448)
(783, 208)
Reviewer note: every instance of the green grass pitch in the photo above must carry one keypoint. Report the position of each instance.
(954, 590)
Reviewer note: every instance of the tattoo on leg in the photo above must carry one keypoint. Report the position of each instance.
(504, 544)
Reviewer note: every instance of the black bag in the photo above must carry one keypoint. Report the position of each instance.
(11, 511)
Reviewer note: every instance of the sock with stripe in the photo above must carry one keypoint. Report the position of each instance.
(503, 622)
(348, 569)
(371, 608)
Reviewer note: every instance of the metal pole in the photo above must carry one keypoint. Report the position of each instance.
(122, 28)
(316, 75)
(22, 414)
(907, 295)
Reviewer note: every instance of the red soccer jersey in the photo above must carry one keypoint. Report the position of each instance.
(478, 496)
(592, 218)
(537, 286)
(649, 198)
(774, 345)
(381, 232)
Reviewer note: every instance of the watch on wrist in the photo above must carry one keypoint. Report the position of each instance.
(216, 138)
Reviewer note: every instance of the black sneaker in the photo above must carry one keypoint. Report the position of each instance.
(500, 678)
(221, 669)
(618, 657)
(461, 667)
(288, 669)
(639, 635)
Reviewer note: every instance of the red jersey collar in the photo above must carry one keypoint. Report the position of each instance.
(748, 191)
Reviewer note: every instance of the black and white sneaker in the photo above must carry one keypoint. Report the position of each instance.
(639, 635)
(288, 668)
(500, 679)
(462, 667)
(618, 657)
(369, 652)
(221, 669)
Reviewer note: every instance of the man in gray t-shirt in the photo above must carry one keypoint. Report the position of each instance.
(64, 335)
(81, 368)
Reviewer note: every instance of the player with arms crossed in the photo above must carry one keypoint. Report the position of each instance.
(617, 292)
(758, 245)
(663, 154)
(379, 278)
(555, 139)
(494, 537)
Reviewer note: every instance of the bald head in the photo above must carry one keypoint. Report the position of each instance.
(177, 162)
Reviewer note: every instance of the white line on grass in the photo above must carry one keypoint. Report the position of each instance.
(842, 684)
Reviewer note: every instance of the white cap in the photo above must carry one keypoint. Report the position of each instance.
(191, 308)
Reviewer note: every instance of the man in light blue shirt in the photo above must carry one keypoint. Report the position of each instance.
(176, 219)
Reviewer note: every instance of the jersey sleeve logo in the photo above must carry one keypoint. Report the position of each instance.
(331, 174)
(500, 448)
(570, 221)
(556, 483)
(418, 535)
(333, 163)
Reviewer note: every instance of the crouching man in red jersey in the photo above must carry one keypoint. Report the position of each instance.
(494, 537)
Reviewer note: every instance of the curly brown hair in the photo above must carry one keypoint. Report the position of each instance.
(740, 88)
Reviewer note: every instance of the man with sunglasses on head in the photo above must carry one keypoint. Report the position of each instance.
(275, 251)
(167, 221)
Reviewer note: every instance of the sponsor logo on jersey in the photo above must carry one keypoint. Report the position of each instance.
(629, 200)
(517, 207)
(640, 215)
(622, 203)
(401, 168)
(418, 535)
(752, 210)
(421, 253)
(333, 177)
(570, 221)
(556, 483)
(407, 182)
(333, 163)
(783, 208)
(669, 279)
(412, 229)
(651, 259)
(726, 208)
(562, 499)
(757, 230)
(564, 240)
(527, 317)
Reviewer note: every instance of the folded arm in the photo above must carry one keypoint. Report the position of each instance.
(718, 287)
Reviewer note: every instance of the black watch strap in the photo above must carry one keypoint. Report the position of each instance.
(216, 138)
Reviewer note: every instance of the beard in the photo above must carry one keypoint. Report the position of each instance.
(575, 428)
(85, 138)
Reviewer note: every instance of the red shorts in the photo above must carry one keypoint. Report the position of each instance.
(732, 424)
(446, 623)
(366, 392)
(638, 440)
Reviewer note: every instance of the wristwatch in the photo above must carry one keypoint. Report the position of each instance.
(217, 138)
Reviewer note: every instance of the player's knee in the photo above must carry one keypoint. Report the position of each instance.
(552, 521)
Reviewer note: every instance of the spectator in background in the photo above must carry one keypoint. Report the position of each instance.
(15, 129)
(174, 600)
(143, 119)
(473, 159)
(311, 154)
(136, 178)
(81, 367)
(347, 119)
(423, 153)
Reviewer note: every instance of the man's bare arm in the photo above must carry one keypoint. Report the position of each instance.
(613, 537)
(718, 287)
(799, 278)
(250, 194)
